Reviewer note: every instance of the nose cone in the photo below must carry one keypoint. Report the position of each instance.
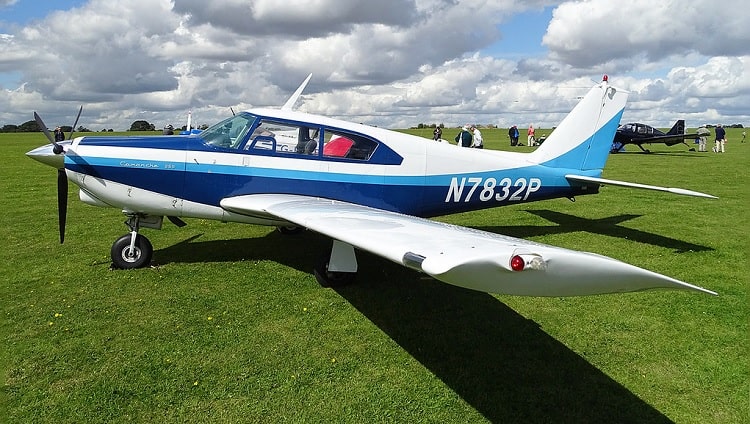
(46, 155)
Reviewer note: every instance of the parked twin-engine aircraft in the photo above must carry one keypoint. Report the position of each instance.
(639, 134)
(366, 188)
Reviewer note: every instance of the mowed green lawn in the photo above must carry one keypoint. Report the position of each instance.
(229, 324)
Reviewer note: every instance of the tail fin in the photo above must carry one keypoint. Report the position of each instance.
(678, 128)
(583, 139)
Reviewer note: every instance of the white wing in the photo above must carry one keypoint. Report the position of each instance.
(461, 256)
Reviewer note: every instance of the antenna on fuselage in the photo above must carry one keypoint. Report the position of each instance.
(292, 100)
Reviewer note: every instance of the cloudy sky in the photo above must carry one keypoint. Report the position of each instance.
(391, 63)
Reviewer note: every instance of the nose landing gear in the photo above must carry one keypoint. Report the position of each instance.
(132, 250)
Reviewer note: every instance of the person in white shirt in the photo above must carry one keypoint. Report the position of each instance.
(477, 143)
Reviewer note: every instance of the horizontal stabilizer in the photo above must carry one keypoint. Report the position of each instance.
(604, 181)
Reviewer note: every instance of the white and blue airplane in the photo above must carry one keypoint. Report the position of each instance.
(366, 188)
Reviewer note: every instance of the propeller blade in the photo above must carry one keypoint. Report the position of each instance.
(62, 201)
(73, 128)
(58, 148)
(43, 127)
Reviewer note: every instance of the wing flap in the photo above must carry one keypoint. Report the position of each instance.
(456, 255)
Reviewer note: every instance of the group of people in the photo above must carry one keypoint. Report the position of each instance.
(469, 136)
(720, 139)
(513, 134)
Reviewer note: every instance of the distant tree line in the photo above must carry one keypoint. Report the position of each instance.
(31, 126)
(441, 125)
(726, 126)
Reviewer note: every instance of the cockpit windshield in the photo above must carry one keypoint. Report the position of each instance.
(229, 133)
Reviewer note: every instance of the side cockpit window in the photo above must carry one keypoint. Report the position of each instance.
(229, 133)
(284, 138)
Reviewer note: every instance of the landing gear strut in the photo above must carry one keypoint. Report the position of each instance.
(132, 250)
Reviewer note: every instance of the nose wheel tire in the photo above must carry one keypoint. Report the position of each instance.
(125, 258)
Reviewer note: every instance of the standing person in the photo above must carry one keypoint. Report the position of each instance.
(516, 134)
(721, 138)
(703, 134)
(530, 136)
(437, 134)
(511, 134)
(743, 137)
(59, 135)
(463, 139)
(478, 143)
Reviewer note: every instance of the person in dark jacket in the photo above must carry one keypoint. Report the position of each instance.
(59, 134)
(721, 138)
(437, 134)
(463, 139)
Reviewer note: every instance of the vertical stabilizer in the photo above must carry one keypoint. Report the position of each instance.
(678, 128)
(584, 137)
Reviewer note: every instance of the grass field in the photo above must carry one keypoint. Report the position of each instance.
(229, 325)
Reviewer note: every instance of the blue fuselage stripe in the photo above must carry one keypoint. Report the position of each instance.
(410, 194)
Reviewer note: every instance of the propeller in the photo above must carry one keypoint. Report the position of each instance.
(62, 178)
(73, 128)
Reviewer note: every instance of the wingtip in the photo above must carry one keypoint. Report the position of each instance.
(691, 193)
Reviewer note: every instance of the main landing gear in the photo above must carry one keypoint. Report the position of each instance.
(132, 250)
(337, 268)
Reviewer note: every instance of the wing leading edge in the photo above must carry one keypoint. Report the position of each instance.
(457, 255)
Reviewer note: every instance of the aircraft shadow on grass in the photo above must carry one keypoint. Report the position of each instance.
(608, 226)
(277, 247)
(499, 362)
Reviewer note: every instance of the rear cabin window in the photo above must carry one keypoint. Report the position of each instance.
(340, 144)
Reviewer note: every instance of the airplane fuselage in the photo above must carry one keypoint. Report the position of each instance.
(188, 176)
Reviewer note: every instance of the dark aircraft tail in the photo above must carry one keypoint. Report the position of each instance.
(678, 128)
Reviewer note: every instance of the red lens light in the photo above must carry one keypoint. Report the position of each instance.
(517, 263)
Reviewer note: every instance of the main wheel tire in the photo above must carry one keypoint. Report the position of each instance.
(328, 278)
(290, 230)
(122, 258)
